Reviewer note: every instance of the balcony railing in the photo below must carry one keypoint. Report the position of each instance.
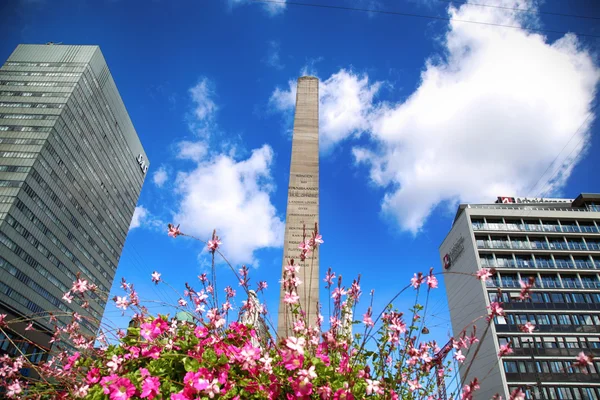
(498, 245)
(584, 265)
(545, 264)
(536, 207)
(552, 351)
(551, 284)
(591, 285)
(552, 328)
(534, 228)
(577, 246)
(562, 264)
(552, 377)
(572, 284)
(593, 246)
(539, 246)
(545, 285)
(525, 306)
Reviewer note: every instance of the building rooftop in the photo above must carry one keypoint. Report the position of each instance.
(581, 203)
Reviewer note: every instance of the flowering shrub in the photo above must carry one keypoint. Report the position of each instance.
(205, 357)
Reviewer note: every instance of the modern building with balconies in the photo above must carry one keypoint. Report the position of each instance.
(554, 243)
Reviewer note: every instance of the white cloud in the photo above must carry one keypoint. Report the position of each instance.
(143, 218)
(223, 192)
(346, 101)
(202, 120)
(194, 151)
(232, 197)
(273, 59)
(160, 176)
(490, 114)
(284, 99)
(275, 8)
(139, 216)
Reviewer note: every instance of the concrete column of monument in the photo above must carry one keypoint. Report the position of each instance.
(303, 200)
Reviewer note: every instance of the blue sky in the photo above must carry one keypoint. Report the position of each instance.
(417, 115)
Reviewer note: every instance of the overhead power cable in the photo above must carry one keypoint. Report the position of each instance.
(573, 160)
(584, 123)
(521, 10)
(405, 14)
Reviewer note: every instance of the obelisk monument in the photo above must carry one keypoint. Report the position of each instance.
(303, 202)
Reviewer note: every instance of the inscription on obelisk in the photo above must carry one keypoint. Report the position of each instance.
(303, 201)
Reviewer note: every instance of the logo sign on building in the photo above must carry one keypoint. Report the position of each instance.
(526, 200)
(142, 163)
(454, 253)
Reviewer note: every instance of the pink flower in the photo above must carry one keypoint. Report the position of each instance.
(432, 281)
(93, 376)
(174, 231)
(80, 286)
(67, 297)
(373, 387)
(496, 310)
(296, 344)
(71, 361)
(343, 394)
(121, 302)
(417, 280)
(201, 331)
(414, 385)
(304, 253)
(484, 274)
(13, 389)
(122, 389)
(150, 386)
(505, 350)
(81, 391)
(114, 363)
(30, 327)
(324, 392)
(292, 360)
(583, 360)
(291, 298)
(155, 277)
(146, 331)
(180, 396)
(302, 389)
(262, 285)
(309, 374)
(467, 393)
(527, 328)
(469, 389)
(459, 356)
(526, 288)
(338, 293)
(197, 380)
(182, 302)
(367, 320)
(517, 394)
(152, 352)
(329, 277)
(2, 317)
(213, 244)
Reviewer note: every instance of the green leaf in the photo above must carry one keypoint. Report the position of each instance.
(190, 364)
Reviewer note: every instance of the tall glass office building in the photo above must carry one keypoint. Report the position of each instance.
(71, 170)
(554, 243)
